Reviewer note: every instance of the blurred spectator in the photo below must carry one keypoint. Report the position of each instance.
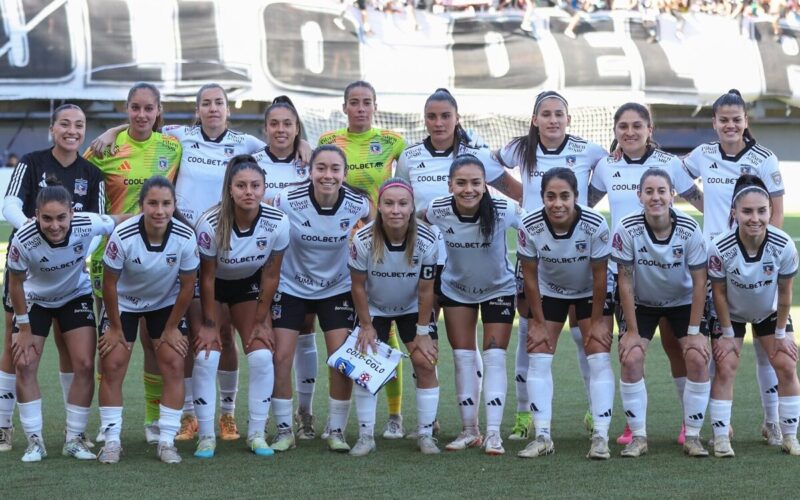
(11, 160)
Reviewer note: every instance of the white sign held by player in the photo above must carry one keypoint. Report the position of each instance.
(369, 370)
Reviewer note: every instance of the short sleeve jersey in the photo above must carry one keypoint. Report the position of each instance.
(752, 282)
(82, 179)
(661, 268)
(280, 173)
(719, 173)
(392, 283)
(250, 249)
(203, 162)
(370, 155)
(134, 163)
(564, 261)
(476, 269)
(315, 264)
(149, 274)
(574, 153)
(56, 272)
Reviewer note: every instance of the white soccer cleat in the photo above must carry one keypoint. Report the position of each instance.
(493, 444)
(6, 438)
(693, 447)
(599, 449)
(722, 447)
(394, 428)
(636, 448)
(466, 439)
(305, 426)
(35, 451)
(152, 433)
(539, 447)
(790, 446)
(427, 445)
(110, 453)
(259, 446)
(363, 447)
(772, 434)
(168, 454)
(77, 448)
(284, 440)
(337, 443)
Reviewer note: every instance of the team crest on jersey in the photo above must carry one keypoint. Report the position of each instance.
(81, 187)
(163, 164)
(769, 268)
(571, 161)
(261, 243)
(13, 254)
(375, 148)
(78, 248)
(580, 246)
(677, 251)
(604, 237)
(300, 171)
(276, 311)
(776, 178)
(714, 264)
(204, 240)
(344, 224)
(746, 169)
(112, 250)
(172, 259)
(229, 151)
(617, 242)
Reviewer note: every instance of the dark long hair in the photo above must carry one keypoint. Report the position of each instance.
(226, 205)
(487, 212)
(284, 102)
(159, 181)
(336, 149)
(152, 88)
(563, 174)
(526, 146)
(744, 184)
(53, 191)
(733, 98)
(644, 114)
(460, 137)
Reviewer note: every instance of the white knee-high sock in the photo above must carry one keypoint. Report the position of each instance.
(467, 383)
(521, 367)
(634, 402)
(601, 388)
(65, 379)
(789, 413)
(583, 363)
(77, 418)
(305, 371)
(695, 401)
(720, 412)
(282, 410)
(8, 397)
(204, 388)
(169, 422)
(767, 384)
(495, 382)
(427, 405)
(30, 415)
(259, 394)
(228, 388)
(111, 422)
(338, 411)
(188, 398)
(680, 387)
(540, 391)
(366, 405)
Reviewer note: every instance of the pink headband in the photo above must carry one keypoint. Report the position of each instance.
(395, 185)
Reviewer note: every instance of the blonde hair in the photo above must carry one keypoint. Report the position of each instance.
(379, 235)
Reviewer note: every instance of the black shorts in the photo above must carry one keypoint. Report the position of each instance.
(763, 329)
(6, 295)
(497, 310)
(77, 313)
(557, 310)
(332, 313)
(155, 321)
(647, 319)
(233, 292)
(437, 281)
(406, 327)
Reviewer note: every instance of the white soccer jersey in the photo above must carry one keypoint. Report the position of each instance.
(719, 173)
(280, 172)
(149, 274)
(249, 249)
(392, 283)
(752, 282)
(202, 170)
(476, 270)
(661, 268)
(315, 264)
(56, 274)
(574, 153)
(565, 261)
(428, 170)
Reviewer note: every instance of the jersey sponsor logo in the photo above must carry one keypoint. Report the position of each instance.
(683, 233)
(624, 187)
(375, 148)
(580, 246)
(322, 239)
(32, 243)
(751, 286)
(433, 178)
(714, 166)
(441, 212)
(65, 265)
(564, 260)
(172, 259)
(714, 264)
(571, 161)
(124, 166)
(130, 298)
(112, 250)
(655, 263)
(137, 260)
(163, 164)
(196, 146)
(242, 260)
(13, 254)
(365, 166)
(450, 231)
(545, 248)
(768, 268)
(133, 182)
(736, 272)
(677, 251)
(205, 161)
(307, 223)
(468, 244)
(351, 208)
(720, 180)
(344, 224)
(577, 147)
(43, 182)
(81, 187)
(643, 250)
(204, 240)
(392, 274)
(261, 243)
(44, 259)
(616, 174)
(617, 242)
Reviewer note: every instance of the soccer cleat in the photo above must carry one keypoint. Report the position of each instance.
(284, 441)
(730, 436)
(394, 428)
(110, 453)
(493, 444)
(336, 442)
(599, 449)
(363, 447)
(188, 428)
(522, 426)
(626, 437)
(682, 434)
(415, 433)
(6, 435)
(305, 426)
(77, 448)
(101, 436)
(722, 447)
(227, 428)
(152, 433)
(636, 448)
(772, 434)
(326, 432)
(693, 447)
(539, 447)
(466, 439)
(427, 445)
(790, 446)
(588, 421)
(35, 451)
(86, 441)
(206, 446)
(168, 454)
(259, 446)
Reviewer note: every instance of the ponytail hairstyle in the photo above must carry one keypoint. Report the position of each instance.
(226, 205)
(733, 98)
(284, 102)
(159, 181)
(460, 137)
(379, 235)
(336, 149)
(360, 83)
(54, 191)
(198, 98)
(644, 114)
(525, 147)
(487, 212)
(563, 174)
(745, 184)
(58, 110)
(156, 93)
